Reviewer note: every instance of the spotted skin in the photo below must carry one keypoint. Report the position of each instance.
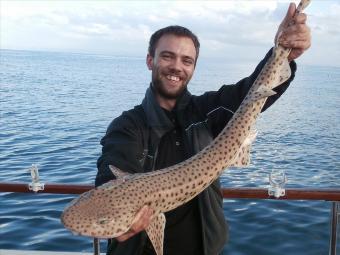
(109, 210)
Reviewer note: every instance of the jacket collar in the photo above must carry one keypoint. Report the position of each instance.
(156, 118)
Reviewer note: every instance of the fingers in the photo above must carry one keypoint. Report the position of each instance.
(140, 223)
(296, 45)
(300, 18)
(294, 33)
(292, 36)
(298, 25)
(297, 34)
(289, 20)
(142, 219)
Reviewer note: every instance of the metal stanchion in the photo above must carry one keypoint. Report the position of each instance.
(96, 246)
(335, 212)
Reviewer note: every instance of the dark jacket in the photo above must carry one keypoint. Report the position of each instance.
(132, 139)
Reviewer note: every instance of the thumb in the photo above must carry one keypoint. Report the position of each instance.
(285, 22)
(290, 13)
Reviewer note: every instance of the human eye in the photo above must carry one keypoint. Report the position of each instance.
(166, 56)
(188, 61)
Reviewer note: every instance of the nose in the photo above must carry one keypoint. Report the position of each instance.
(176, 66)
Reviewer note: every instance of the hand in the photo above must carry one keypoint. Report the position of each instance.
(294, 33)
(140, 223)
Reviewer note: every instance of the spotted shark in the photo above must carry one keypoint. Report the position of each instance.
(108, 211)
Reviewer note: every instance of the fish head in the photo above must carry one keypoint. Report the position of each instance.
(100, 212)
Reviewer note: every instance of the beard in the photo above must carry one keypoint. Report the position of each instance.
(161, 88)
(163, 92)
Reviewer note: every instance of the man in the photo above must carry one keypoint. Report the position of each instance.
(170, 126)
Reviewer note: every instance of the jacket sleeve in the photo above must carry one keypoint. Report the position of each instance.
(121, 147)
(229, 97)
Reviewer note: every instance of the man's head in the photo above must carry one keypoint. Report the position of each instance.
(172, 57)
(173, 30)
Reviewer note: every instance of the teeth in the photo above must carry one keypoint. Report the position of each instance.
(172, 78)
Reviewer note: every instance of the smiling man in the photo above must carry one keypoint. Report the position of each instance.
(172, 125)
(172, 64)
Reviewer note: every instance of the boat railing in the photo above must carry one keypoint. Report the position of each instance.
(331, 195)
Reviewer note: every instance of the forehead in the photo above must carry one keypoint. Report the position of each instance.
(180, 45)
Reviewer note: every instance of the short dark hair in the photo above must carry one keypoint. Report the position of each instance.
(173, 30)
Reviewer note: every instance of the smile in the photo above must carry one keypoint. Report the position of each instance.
(172, 78)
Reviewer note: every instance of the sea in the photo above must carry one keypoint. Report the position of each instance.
(55, 107)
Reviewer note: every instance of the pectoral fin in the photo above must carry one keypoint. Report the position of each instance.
(155, 232)
(242, 157)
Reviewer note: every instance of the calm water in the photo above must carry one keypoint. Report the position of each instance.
(55, 107)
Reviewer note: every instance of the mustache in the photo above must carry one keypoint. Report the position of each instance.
(174, 72)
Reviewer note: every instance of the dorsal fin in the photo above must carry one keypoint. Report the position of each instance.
(117, 172)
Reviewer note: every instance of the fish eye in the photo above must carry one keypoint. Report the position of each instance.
(102, 221)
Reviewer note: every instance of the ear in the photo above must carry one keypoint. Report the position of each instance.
(149, 61)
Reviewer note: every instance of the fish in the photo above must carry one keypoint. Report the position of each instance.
(108, 211)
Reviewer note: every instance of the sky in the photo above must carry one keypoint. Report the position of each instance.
(227, 29)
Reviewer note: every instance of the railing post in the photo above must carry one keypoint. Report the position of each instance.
(96, 246)
(335, 211)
